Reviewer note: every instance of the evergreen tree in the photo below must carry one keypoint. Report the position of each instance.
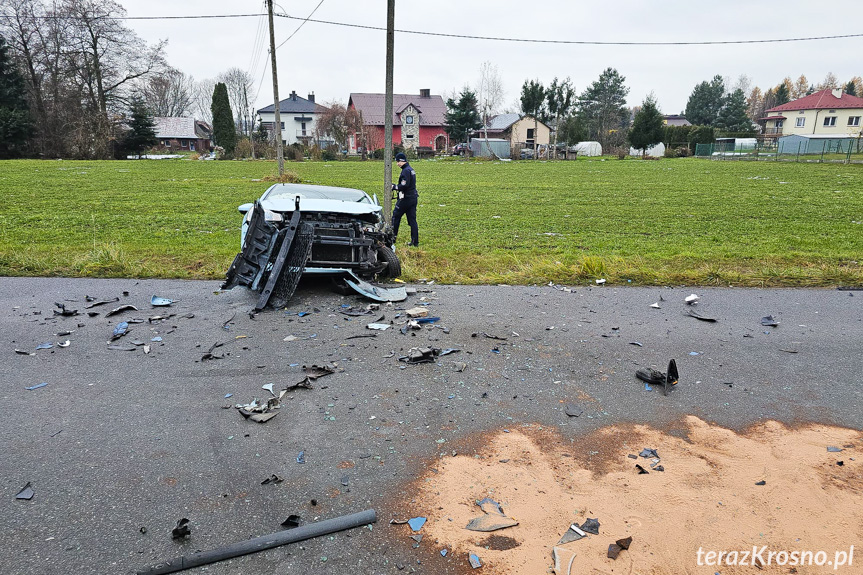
(782, 94)
(705, 102)
(560, 98)
(603, 110)
(851, 88)
(533, 104)
(572, 130)
(648, 127)
(462, 116)
(732, 117)
(224, 129)
(142, 129)
(15, 124)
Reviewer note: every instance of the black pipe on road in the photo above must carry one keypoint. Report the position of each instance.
(264, 542)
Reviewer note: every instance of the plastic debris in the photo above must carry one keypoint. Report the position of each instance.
(26, 492)
(443, 552)
(121, 309)
(259, 412)
(46, 345)
(762, 482)
(292, 522)
(120, 330)
(421, 355)
(66, 343)
(574, 533)
(423, 320)
(23, 352)
(651, 376)
(210, 354)
(573, 410)
(301, 457)
(488, 335)
(119, 347)
(416, 523)
(378, 326)
(615, 548)
(157, 301)
(182, 529)
(62, 311)
(157, 338)
(227, 395)
(641, 470)
(269, 387)
(37, 386)
(591, 526)
(599, 282)
(832, 449)
(655, 305)
(416, 312)
(691, 313)
(475, 563)
(448, 351)
(648, 453)
(691, 299)
(100, 302)
(272, 479)
(769, 321)
(493, 518)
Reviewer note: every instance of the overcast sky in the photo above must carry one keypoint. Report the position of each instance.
(333, 61)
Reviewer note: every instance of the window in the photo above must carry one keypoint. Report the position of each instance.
(854, 121)
(182, 143)
(282, 125)
(409, 119)
(409, 136)
(779, 123)
(192, 146)
(801, 122)
(530, 133)
(829, 121)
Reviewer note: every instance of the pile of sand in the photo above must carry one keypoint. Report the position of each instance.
(707, 497)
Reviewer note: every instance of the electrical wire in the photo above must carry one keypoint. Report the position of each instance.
(300, 26)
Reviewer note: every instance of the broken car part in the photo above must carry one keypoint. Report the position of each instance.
(651, 376)
(157, 301)
(261, 543)
(182, 530)
(26, 492)
(492, 519)
(121, 309)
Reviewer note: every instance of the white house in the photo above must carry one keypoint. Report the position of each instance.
(297, 116)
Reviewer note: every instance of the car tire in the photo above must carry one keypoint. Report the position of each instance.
(394, 266)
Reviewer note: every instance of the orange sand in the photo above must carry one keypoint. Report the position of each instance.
(706, 498)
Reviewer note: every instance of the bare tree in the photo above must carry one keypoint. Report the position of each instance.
(743, 83)
(489, 93)
(202, 100)
(169, 94)
(830, 81)
(239, 84)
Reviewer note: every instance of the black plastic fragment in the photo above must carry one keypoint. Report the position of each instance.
(291, 522)
(182, 529)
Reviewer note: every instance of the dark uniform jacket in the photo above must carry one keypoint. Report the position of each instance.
(407, 183)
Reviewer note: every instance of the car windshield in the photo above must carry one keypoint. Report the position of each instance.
(289, 191)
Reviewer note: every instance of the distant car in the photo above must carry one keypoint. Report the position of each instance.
(460, 149)
(296, 229)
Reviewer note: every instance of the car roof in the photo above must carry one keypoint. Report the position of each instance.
(316, 192)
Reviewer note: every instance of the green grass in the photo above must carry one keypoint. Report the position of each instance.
(645, 222)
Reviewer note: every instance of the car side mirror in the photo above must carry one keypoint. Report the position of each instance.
(244, 208)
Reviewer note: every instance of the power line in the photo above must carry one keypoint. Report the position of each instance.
(301, 25)
(492, 38)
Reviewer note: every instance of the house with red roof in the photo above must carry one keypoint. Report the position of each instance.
(824, 113)
(418, 121)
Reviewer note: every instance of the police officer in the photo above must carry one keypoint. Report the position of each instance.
(407, 199)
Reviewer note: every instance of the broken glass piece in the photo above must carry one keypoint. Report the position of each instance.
(416, 523)
(378, 326)
(474, 561)
(490, 522)
(37, 386)
(181, 530)
(648, 453)
(345, 480)
(157, 338)
(121, 309)
(427, 320)
(291, 522)
(448, 351)
(418, 537)
(832, 449)
(46, 345)
(443, 552)
(769, 321)
(269, 387)
(157, 301)
(26, 492)
(100, 302)
(301, 458)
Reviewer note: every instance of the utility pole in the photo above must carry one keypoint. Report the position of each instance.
(388, 113)
(280, 153)
(250, 124)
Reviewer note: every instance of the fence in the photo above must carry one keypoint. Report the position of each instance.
(834, 150)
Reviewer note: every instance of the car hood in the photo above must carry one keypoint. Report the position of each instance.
(318, 205)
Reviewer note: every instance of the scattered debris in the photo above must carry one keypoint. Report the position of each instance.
(210, 354)
(269, 387)
(46, 345)
(691, 299)
(615, 548)
(641, 470)
(361, 335)
(26, 492)
(157, 301)
(37, 386)
(655, 305)
(599, 282)
(66, 343)
(301, 457)
(416, 523)
(420, 311)
(226, 325)
(769, 321)
(691, 313)
(638, 343)
(573, 410)
(832, 449)
(259, 412)
(272, 479)
(574, 533)
(182, 530)
(292, 522)
(62, 311)
(378, 326)
(492, 519)
(119, 347)
(100, 302)
(119, 330)
(312, 373)
(648, 453)
(487, 335)
(651, 376)
(121, 309)
(421, 355)
(762, 482)
(475, 563)
(591, 526)
(23, 352)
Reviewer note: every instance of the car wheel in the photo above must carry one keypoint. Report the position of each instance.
(394, 266)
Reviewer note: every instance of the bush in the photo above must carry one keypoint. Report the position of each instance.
(295, 153)
(411, 154)
(378, 154)
(289, 177)
(243, 149)
(330, 154)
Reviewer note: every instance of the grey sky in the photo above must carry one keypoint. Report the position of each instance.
(333, 61)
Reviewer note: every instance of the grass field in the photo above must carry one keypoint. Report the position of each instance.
(660, 222)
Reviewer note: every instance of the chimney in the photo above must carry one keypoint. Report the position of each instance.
(837, 93)
(425, 93)
(312, 97)
(293, 95)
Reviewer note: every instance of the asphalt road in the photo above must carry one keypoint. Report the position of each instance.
(119, 445)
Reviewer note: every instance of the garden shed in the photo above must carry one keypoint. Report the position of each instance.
(499, 147)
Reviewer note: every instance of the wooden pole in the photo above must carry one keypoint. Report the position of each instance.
(280, 153)
(388, 113)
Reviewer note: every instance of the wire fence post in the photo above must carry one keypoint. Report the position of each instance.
(798, 150)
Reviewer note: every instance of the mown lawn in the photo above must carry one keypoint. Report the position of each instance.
(659, 222)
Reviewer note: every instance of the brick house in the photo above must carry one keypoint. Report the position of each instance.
(418, 121)
(178, 134)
